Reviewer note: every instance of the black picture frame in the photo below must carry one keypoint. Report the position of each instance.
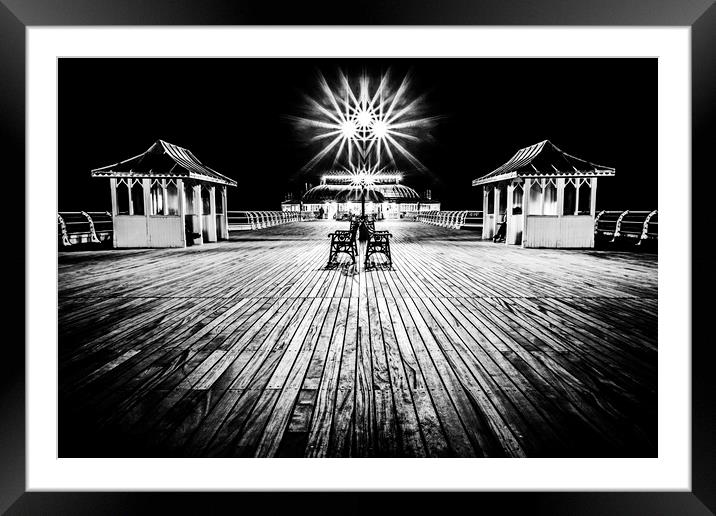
(17, 15)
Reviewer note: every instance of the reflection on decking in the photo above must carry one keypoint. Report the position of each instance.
(252, 348)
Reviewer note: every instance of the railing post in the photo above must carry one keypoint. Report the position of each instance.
(93, 234)
(645, 228)
(596, 220)
(65, 236)
(618, 226)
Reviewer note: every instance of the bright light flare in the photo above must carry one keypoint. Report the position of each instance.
(370, 119)
(348, 129)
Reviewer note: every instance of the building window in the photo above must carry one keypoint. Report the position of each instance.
(219, 200)
(189, 199)
(585, 198)
(156, 194)
(490, 200)
(205, 201)
(502, 199)
(172, 196)
(535, 202)
(122, 197)
(137, 203)
(550, 198)
(570, 198)
(517, 200)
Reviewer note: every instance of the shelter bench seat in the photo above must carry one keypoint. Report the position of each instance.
(83, 227)
(627, 225)
(447, 219)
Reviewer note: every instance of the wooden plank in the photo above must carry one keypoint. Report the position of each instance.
(252, 347)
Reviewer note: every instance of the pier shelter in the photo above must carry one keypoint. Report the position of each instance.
(165, 197)
(546, 197)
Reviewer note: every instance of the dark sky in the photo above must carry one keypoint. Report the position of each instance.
(232, 113)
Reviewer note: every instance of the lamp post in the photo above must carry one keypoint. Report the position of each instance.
(362, 197)
(363, 180)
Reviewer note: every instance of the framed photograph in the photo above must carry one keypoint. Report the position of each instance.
(387, 250)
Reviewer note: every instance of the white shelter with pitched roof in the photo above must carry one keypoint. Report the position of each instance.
(165, 197)
(546, 197)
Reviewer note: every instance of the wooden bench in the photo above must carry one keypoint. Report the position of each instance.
(472, 220)
(449, 219)
(344, 241)
(83, 227)
(626, 225)
(378, 243)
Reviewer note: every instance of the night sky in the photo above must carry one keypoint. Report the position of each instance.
(233, 115)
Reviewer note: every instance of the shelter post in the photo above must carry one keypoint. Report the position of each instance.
(113, 194)
(182, 210)
(485, 214)
(146, 186)
(211, 222)
(496, 208)
(510, 233)
(197, 219)
(224, 218)
(593, 200)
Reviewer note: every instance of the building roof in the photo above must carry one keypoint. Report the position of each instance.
(544, 159)
(347, 193)
(164, 160)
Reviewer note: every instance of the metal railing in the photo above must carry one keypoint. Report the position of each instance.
(251, 220)
(451, 219)
(84, 227)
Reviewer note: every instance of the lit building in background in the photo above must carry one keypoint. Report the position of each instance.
(340, 194)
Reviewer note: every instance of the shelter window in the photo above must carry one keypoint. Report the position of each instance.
(136, 206)
(550, 198)
(490, 200)
(156, 194)
(517, 200)
(164, 197)
(502, 200)
(122, 197)
(535, 203)
(189, 199)
(205, 201)
(172, 197)
(219, 202)
(570, 197)
(584, 207)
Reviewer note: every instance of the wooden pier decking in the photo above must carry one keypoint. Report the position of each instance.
(252, 347)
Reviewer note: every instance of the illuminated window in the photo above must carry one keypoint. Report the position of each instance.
(189, 199)
(172, 193)
(156, 194)
(535, 204)
(550, 198)
(517, 200)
